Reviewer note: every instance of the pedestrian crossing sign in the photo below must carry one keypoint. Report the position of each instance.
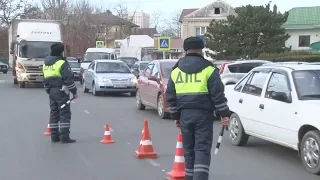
(99, 44)
(164, 43)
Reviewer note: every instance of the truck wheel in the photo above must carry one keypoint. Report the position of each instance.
(15, 81)
(310, 151)
(21, 84)
(237, 135)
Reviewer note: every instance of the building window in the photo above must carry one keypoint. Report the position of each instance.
(304, 41)
(201, 31)
(217, 11)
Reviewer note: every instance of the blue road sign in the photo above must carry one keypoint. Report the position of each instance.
(164, 43)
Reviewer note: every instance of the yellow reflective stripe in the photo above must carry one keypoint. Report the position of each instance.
(53, 70)
(191, 83)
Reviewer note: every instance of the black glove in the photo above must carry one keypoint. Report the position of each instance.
(175, 116)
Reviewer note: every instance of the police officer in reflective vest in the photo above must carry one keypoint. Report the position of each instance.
(194, 92)
(58, 82)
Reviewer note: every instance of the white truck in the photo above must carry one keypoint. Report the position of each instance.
(30, 41)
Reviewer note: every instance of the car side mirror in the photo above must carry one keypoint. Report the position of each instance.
(152, 78)
(281, 96)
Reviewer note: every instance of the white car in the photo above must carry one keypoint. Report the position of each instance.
(281, 104)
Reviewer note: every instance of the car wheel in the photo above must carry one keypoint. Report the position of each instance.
(310, 155)
(160, 108)
(236, 131)
(85, 89)
(133, 94)
(5, 72)
(15, 81)
(21, 84)
(140, 106)
(94, 90)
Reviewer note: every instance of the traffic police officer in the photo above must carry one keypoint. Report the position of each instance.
(58, 82)
(194, 92)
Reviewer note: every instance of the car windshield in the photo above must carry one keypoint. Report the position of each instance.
(74, 64)
(90, 56)
(112, 67)
(307, 83)
(35, 49)
(129, 61)
(166, 68)
(143, 65)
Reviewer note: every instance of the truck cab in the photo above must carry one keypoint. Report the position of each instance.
(30, 42)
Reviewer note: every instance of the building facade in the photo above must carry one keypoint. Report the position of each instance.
(303, 26)
(141, 19)
(194, 22)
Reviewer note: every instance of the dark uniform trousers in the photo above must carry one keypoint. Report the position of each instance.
(59, 115)
(197, 132)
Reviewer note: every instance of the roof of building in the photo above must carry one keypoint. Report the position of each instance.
(110, 19)
(226, 9)
(186, 12)
(175, 43)
(147, 31)
(303, 18)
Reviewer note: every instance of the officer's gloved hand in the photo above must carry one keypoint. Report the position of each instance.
(74, 96)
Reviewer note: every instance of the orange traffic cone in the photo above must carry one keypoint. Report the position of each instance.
(48, 130)
(178, 170)
(145, 150)
(107, 139)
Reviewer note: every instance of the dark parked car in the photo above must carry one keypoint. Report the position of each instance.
(152, 85)
(129, 60)
(3, 68)
(75, 67)
(138, 67)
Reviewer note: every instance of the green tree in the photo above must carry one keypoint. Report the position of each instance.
(254, 30)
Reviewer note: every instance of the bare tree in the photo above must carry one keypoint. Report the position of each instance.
(11, 9)
(156, 19)
(173, 28)
(125, 20)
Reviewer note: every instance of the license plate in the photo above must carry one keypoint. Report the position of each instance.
(120, 86)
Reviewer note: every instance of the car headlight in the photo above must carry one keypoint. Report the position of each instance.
(134, 80)
(104, 79)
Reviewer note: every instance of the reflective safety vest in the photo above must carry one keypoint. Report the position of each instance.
(195, 83)
(52, 70)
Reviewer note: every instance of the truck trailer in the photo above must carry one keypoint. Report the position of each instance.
(30, 41)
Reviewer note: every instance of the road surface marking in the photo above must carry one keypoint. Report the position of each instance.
(87, 112)
(152, 162)
(73, 102)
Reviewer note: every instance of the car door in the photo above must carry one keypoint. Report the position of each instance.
(143, 82)
(90, 74)
(278, 113)
(153, 86)
(250, 99)
(86, 76)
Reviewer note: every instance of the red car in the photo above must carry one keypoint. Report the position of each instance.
(152, 85)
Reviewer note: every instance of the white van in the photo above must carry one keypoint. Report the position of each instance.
(93, 54)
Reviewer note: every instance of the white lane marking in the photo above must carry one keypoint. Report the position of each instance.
(2, 81)
(152, 162)
(73, 102)
(87, 112)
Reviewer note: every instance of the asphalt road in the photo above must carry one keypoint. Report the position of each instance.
(26, 154)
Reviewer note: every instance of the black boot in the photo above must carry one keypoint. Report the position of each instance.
(55, 139)
(67, 140)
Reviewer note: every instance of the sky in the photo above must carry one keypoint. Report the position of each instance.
(169, 7)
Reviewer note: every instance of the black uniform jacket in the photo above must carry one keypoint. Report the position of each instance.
(66, 73)
(214, 101)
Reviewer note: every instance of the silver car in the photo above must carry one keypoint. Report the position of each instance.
(109, 76)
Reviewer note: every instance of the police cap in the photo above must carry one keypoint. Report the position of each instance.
(57, 49)
(193, 43)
